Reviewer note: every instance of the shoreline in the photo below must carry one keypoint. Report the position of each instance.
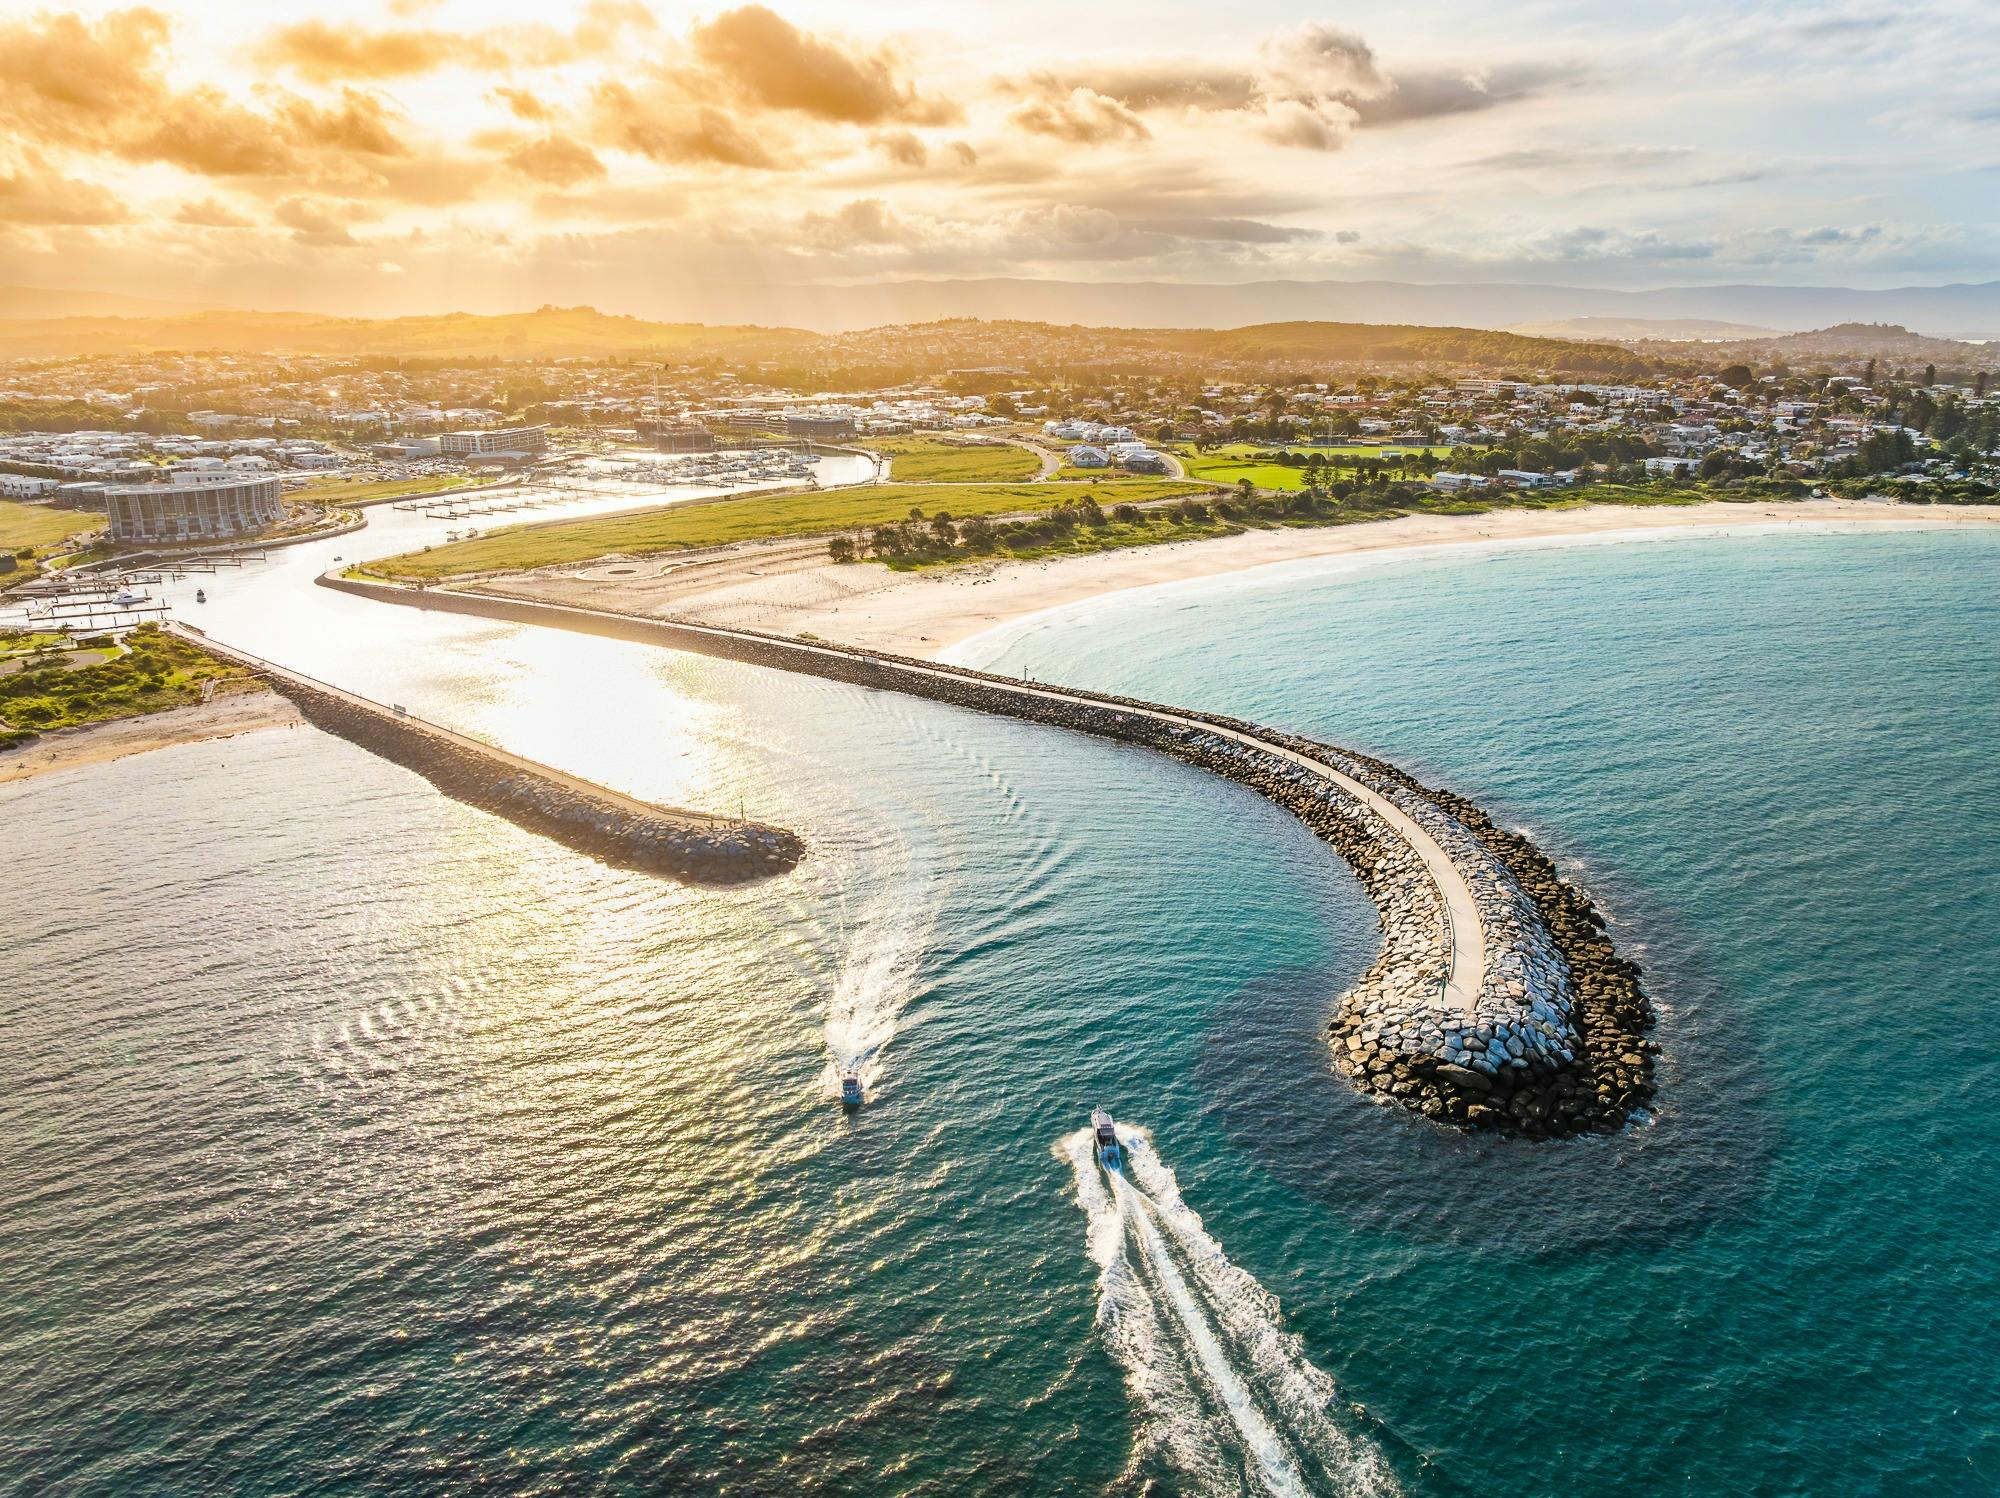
(101, 743)
(792, 588)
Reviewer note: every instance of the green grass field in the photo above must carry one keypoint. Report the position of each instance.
(922, 460)
(1238, 460)
(718, 522)
(41, 526)
(341, 491)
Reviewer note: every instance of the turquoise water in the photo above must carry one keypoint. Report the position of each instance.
(358, 1142)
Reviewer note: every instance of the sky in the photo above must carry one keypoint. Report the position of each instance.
(394, 156)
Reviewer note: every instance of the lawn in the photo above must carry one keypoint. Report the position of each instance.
(344, 491)
(717, 522)
(1239, 460)
(41, 526)
(922, 460)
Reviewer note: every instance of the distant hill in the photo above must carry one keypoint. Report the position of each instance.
(551, 332)
(1382, 343)
(45, 301)
(1889, 344)
(1961, 311)
(554, 332)
(1622, 329)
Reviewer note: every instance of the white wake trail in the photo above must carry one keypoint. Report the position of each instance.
(1229, 1396)
(879, 976)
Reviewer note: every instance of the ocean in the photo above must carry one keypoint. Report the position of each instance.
(359, 1142)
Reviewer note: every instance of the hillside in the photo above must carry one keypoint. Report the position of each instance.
(1844, 343)
(551, 332)
(1392, 343)
(47, 301)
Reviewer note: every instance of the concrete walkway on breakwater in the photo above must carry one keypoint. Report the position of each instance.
(616, 828)
(1475, 1010)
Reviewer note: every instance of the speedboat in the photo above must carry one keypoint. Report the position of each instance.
(1105, 1137)
(850, 1088)
(126, 598)
(201, 595)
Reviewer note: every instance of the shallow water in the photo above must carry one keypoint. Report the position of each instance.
(358, 1141)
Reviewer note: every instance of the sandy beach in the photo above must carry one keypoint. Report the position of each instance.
(69, 748)
(792, 588)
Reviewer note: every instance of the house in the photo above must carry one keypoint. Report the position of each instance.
(1086, 456)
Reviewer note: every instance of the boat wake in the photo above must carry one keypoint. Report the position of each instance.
(1227, 1396)
(884, 961)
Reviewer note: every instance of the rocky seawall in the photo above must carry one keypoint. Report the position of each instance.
(613, 829)
(1497, 1000)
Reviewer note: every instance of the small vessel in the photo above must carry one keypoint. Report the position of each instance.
(126, 598)
(1105, 1137)
(201, 595)
(850, 1088)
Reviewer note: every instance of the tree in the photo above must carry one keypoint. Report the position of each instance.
(841, 548)
(1737, 376)
(1930, 375)
(1244, 489)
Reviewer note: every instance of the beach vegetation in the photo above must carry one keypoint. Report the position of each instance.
(151, 672)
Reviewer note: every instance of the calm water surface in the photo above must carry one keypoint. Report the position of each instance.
(357, 1141)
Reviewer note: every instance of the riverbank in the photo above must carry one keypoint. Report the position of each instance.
(100, 743)
(794, 588)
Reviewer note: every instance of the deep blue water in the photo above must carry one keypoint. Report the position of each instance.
(359, 1142)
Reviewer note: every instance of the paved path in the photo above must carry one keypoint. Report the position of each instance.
(1467, 974)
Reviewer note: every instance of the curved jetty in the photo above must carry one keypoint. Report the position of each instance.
(1497, 1000)
(615, 829)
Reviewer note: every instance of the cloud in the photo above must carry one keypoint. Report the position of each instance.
(665, 129)
(327, 52)
(770, 62)
(202, 132)
(67, 81)
(322, 51)
(209, 213)
(314, 224)
(901, 147)
(361, 125)
(556, 159)
(1427, 94)
(1080, 115)
(524, 104)
(37, 195)
(1316, 60)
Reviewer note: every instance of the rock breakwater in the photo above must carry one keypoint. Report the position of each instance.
(613, 829)
(1497, 1000)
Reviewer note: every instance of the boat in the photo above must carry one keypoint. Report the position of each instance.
(126, 598)
(201, 595)
(1105, 1137)
(850, 1088)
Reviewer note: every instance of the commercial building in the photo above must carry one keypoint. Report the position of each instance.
(208, 509)
(497, 442)
(671, 437)
(820, 427)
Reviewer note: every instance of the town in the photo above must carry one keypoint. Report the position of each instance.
(195, 449)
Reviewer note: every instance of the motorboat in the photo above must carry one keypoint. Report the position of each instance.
(126, 598)
(201, 595)
(1104, 1135)
(850, 1088)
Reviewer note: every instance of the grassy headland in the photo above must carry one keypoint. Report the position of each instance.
(718, 522)
(150, 673)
